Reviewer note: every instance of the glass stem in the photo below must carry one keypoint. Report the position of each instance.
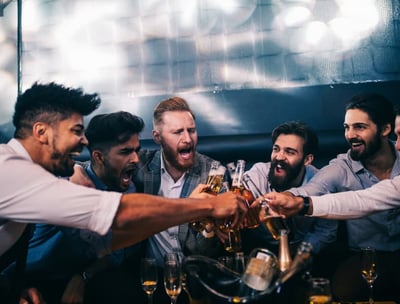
(371, 290)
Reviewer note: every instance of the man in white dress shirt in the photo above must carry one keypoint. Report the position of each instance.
(49, 132)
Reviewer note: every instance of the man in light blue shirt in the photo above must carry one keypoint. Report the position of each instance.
(294, 148)
(371, 158)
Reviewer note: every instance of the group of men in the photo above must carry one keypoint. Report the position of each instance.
(49, 132)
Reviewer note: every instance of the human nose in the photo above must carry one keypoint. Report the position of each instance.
(84, 140)
(186, 137)
(397, 145)
(350, 133)
(134, 157)
(280, 155)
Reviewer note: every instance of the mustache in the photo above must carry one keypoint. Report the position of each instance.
(355, 141)
(130, 168)
(275, 163)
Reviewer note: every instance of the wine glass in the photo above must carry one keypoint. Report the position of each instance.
(368, 269)
(172, 276)
(149, 277)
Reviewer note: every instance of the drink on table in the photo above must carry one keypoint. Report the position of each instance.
(149, 277)
(320, 292)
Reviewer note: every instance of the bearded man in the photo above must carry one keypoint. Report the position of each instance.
(293, 150)
(372, 157)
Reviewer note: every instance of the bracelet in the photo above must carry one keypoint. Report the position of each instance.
(306, 205)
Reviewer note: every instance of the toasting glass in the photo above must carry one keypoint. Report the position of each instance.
(368, 269)
(172, 276)
(149, 277)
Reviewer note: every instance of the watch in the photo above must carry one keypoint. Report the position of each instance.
(86, 276)
(306, 205)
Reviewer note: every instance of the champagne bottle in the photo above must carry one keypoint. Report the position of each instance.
(301, 260)
(284, 257)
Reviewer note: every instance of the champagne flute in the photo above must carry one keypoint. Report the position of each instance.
(368, 269)
(149, 277)
(172, 276)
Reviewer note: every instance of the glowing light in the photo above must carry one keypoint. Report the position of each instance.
(32, 16)
(295, 16)
(315, 32)
(357, 20)
(228, 6)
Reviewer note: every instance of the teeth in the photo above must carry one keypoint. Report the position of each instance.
(75, 153)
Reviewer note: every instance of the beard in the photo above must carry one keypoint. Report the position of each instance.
(172, 157)
(370, 148)
(64, 166)
(282, 183)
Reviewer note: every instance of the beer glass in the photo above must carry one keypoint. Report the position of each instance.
(214, 185)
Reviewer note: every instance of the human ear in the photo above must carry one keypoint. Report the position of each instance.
(97, 156)
(156, 137)
(308, 159)
(40, 132)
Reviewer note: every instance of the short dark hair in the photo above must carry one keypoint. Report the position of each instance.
(107, 130)
(300, 129)
(379, 109)
(50, 103)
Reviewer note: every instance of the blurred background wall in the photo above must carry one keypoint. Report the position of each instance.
(244, 66)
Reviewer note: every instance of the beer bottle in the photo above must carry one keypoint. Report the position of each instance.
(274, 223)
(233, 241)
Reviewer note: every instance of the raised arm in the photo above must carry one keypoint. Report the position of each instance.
(141, 215)
(343, 205)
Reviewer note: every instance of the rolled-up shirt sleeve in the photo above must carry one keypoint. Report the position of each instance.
(354, 204)
(31, 194)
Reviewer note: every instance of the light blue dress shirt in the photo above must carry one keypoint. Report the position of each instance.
(380, 230)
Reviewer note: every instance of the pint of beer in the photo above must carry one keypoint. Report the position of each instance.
(214, 184)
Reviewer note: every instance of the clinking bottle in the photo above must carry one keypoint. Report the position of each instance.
(233, 241)
(274, 223)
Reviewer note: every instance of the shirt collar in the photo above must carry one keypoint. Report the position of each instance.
(164, 170)
(100, 185)
(19, 148)
(97, 182)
